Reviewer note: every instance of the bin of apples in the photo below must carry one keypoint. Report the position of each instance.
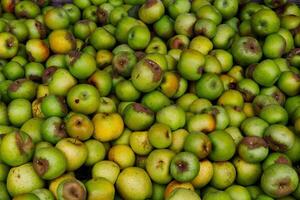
(149, 99)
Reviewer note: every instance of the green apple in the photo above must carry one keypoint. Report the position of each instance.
(83, 98)
(53, 130)
(224, 175)
(79, 126)
(182, 193)
(160, 136)
(100, 188)
(54, 106)
(33, 128)
(19, 111)
(140, 186)
(246, 173)
(43, 194)
(106, 169)
(96, 152)
(264, 22)
(223, 147)
(161, 158)
(173, 116)
(279, 180)
(81, 65)
(138, 37)
(16, 148)
(184, 166)
(140, 143)
(61, 82)
(23, 179)
(49, 163)
(75, 152)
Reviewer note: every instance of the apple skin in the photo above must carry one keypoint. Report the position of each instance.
(288, 82)
(102, 80)
(224, 36)
(151, 11)
(217, 194)
(181, 193)
(199, 144)
(3, 192)
(238, 192)
(266, 67)
(54, 106)
(173, 185)
(3, 114)
(123, 155)
(61, 82)
(253, 149)
(38, 50)
(96, 152)
(49, 163)
(247, 173)
(205, 174)
(83, 98)
(22, 88)
(107, 105)
(138, 37)
(191, 64)
(254, 126)
(274, 158)
(228, 8)
(161, 157)
(125, 91)
(268, 18)
(57, 19)
(33, 128)
(102, 39)
(184, 167)
(178, 138)
(43, 194)
(75, 152)
(139, 142)
(19, 111)
(138, 117)
(107, 126)
(4, 169)
(220, 140)
(158, 191)
(283, 179)
(140, 187)
(23, 179)
(224, 175)
(209, 86)
(100, 188)
(173, 116)
(274, 46)
(16, 148)
(157, 139)
(12, 50)
(26, 196)
(293, 153)
(146, 75)
(279, 137)
(241, 53)
(81, 65)
(53, 130)
(106, 169)
(79, 126)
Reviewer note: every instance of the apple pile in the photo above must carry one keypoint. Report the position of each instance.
(149, 99)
